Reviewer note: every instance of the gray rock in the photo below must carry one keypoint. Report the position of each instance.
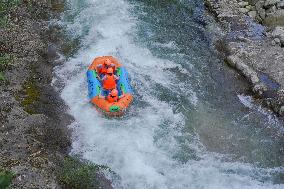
(277, 40)
(280, 5)
(281, 111)
(252, 14)
(271, 9)
(243, 4)
(260, 10)
(270, 3)
(243, 10)
(259, 88)
(278, 33)
(249, 7)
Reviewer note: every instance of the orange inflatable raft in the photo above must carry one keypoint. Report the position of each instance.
(123, 87)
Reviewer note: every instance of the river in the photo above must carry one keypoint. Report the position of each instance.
(191, 125)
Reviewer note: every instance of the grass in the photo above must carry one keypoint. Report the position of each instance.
(77, 174)
(6, 179)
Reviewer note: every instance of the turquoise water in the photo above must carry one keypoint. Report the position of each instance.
(190, 125)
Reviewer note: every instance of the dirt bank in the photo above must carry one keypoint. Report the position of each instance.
(253, 45)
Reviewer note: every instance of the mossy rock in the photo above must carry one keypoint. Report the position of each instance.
(78, 174)
(31, 96)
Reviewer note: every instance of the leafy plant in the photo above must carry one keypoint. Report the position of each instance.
(6, 179)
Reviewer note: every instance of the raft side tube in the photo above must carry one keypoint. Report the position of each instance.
(94, 85)
(124, 83)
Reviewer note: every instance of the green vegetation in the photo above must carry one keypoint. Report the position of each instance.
(5, 7)
(2, 78)
(77, 174)
(6, 179)
(31, 93)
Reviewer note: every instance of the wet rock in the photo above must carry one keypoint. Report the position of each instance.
(278, 34)
(270, 3)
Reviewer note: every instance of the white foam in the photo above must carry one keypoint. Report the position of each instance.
(143, 148)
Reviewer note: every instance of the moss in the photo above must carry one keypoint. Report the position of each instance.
(5, 61)
(77, 174)
(2, 78)
(31, 96)
(6, 178)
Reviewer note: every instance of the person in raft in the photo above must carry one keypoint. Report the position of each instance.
(108, 81)
(113, 96)
(102, 68)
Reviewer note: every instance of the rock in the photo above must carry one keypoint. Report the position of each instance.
(277, 40)
(271, 9)
(249, 7)
(280, 5)
(281, 111)
(259, 88)
(243, 4)
(270, 3)
(273, 43)
(253, 2)
(260, 10)
(275, 19)
(243, 10)
(252, 14)
(278, 34)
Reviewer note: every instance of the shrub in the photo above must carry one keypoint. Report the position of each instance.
(6, 179)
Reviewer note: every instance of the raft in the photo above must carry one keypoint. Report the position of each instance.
(95, 88)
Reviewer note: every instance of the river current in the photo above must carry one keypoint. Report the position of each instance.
(190, 126)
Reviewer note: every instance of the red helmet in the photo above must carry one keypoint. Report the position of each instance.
(114, 92)
(107, 62)
(110, 71)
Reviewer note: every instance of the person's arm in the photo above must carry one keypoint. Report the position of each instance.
(116, 77)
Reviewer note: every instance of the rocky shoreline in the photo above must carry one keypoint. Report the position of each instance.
(34, 137)
(253, 44)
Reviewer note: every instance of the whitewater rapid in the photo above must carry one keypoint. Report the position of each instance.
(147, 146)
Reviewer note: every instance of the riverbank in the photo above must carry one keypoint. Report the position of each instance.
(253, 45)
(34, 137)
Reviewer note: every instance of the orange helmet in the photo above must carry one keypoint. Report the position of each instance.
(114, 92)
(110, 71)
(107, 62)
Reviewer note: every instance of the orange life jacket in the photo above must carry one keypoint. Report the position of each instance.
(112, 98)
(109, 82)
(104, 68)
